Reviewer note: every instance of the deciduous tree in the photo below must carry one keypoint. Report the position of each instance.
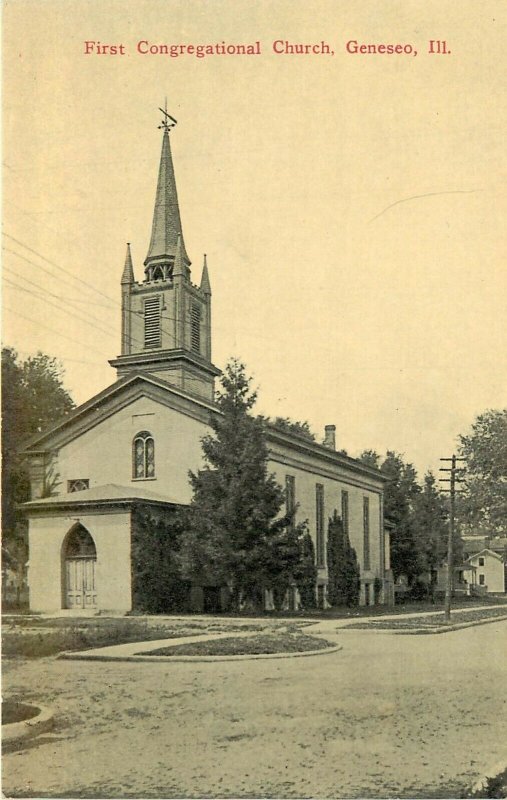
(483, 508)
(33, 396)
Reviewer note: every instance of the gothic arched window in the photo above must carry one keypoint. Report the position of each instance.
(143, 455)
(79, 543)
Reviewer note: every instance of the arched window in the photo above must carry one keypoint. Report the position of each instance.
(79, 543)
(79, 558)
(143, 455)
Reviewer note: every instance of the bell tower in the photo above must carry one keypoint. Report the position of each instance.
(166, 319)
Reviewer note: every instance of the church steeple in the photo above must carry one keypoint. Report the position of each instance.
(128, 269)
(166, 319)
(166, 226)
(205, 284)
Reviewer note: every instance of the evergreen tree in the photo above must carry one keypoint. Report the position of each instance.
(157, 585)
(305, 573)
(342, 565)
(236, 536)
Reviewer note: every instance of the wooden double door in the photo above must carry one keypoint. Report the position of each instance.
(80, 561)
(80, 587)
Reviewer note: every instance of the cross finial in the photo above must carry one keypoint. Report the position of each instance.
(168, 122)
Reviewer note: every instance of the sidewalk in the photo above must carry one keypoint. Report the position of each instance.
(333, 626)
(138, 650)
(131, 649)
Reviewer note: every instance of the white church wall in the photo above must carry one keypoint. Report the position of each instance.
(104, 454)
(111, 534)
(45, 539)
(305, 496)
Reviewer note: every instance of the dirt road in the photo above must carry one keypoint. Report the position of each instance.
(409, 716)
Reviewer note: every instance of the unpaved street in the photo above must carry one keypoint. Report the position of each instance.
(410, 716)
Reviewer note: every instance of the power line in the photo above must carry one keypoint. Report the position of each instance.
(114, 302)
(61, 269)
(45, 291)
(30, 354)
(29, 261)
(47, 327)
(70, 313)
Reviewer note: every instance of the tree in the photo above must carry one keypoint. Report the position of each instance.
(157, 585)
(483, 508)
(400, 492)
(431, 526)
(33, 396)
(287, 425)
(343, 569)
(305, 573)
(370, 458)
(236, 535)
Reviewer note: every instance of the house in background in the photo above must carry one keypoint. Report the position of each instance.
(490, 571)
(133, 444)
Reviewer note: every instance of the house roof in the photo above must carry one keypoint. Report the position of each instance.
(107, 493)
(486, 550)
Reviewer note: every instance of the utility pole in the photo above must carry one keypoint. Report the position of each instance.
(450, 536)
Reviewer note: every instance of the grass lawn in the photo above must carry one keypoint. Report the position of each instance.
(435, 621)
(261, 644)
(32, 637)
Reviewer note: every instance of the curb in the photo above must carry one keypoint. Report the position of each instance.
(16, 732)
(422, 631)
(197, 659)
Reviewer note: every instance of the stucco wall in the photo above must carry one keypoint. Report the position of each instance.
(357, 488)
(104, 453)
(111, 534)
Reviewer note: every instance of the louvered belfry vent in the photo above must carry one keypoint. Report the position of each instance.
(152, 332)
(195, 332)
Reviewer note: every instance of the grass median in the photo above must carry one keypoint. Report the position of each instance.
(259, 644)
(429, 623)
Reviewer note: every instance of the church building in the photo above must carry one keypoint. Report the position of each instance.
(133, 444)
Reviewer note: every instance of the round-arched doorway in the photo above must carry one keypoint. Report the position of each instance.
(79, 557)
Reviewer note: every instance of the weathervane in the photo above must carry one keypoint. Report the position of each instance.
(169, 122)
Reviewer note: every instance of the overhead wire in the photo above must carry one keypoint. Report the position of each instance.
(47, 327)
(70, 312)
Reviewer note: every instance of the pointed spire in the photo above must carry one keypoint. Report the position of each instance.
(205, 284)
(180, 259)
(128, 270)
(166, 226)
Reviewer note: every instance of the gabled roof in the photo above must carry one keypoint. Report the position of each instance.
(141, 384)
(485, 550)
(107, 402)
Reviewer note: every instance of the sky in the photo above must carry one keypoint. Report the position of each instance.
(351, 205)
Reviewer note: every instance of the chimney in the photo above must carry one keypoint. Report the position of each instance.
(330, 437)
